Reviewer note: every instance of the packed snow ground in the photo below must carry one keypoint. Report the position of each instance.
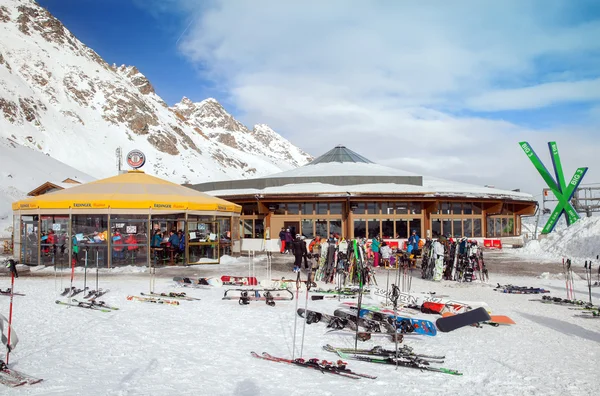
(203, 347)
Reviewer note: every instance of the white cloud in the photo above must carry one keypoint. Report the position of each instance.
(390, 79)
(537, 96)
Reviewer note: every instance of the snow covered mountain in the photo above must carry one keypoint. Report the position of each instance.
(24, 169)
(61, 98)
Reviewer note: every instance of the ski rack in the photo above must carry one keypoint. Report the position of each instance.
(256, 294)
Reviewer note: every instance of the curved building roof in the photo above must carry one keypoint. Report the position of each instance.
(340, 154)
(342, 171)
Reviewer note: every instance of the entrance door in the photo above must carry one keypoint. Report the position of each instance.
(29, 242)
(294, 227)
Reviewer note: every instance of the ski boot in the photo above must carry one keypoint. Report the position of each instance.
(364, 336)
(397, 338)
(337, 323)
(244, 299)
(313, 317)
(269, 299)
(341, 364)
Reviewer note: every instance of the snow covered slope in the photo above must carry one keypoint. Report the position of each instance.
(579, 242)
(61, 98)
(21, 170)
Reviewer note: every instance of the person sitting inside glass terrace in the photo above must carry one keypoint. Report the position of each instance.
(174, 242)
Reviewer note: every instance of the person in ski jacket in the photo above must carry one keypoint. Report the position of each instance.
(288, 241)
(312, 244)
(299, 251)
(386, 253)
(332, 238)
(375, 244)
(181, 245)
(174, 240)
(155, 243)
(282, 239)
(438, 254)
(156, 239)
(132, 242)
(413, 241)
(117, 245)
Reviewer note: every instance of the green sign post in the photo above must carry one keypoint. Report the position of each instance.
(563, 192)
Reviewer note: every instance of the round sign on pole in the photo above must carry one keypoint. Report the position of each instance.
(136, 159)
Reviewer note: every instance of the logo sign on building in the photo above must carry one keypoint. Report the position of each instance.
(563, 192)
(136, 159)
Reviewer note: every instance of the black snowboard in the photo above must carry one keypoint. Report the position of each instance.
(454, 322)
(368, 324)
(333, 322)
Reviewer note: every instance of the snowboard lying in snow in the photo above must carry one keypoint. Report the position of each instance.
(198, 283)
(331, 321)
(258, 294)
(494, 319)
(382, 295)
(404, 323)
(453, 322)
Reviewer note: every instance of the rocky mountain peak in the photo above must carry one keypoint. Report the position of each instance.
(136, 77)
(209, 114)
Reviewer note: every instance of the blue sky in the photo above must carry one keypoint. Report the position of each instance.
(453, 86)
(125, 32)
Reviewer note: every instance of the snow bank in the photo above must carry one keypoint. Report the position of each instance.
(579, 242)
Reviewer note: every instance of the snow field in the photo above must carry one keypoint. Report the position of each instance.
(203, 347)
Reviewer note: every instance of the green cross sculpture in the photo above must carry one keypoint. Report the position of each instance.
(563, 192)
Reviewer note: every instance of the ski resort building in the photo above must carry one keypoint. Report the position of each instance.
(112, 222)
(344, 193)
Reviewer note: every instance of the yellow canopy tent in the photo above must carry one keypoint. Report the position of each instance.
(131, 190)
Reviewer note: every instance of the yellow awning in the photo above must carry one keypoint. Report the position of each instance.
(131, 190)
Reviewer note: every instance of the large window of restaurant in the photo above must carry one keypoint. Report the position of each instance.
(164, 224)
(402, 228)
(311, 228)
(335, 226)
(252, 228)
(374, 228)
(29, 239)
(457, 219)
(321, 228)
(307, 228)
(204, 241)
(499, 226)
(225, 234)
(390, 219)
(415, 224)
(54, 241)
(16, 234)
(360, 228)
(90, 235)
(387, 228)
(129, 239)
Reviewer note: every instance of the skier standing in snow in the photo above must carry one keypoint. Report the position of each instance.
(413, 243)
(438, 252)
(299, 251)
(282, 239)
(375, 249)
(288, 241)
